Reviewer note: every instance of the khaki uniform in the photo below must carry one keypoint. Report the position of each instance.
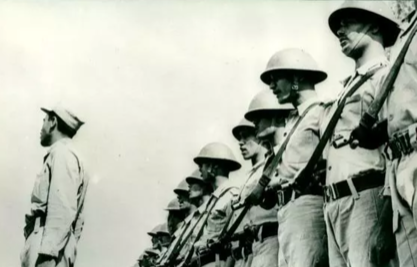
(350, 221)
(401, 113)
(55, 222)
(264, 250)
(218, 216)
(302, 230)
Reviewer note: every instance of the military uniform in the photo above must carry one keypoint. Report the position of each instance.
(401, 113)
(56, 220)
(355, 176)
(302, 230)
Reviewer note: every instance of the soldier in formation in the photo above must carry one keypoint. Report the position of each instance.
(332, 183)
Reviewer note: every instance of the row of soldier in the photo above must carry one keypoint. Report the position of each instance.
(331, 184)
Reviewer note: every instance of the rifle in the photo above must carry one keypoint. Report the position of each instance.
(370, 117)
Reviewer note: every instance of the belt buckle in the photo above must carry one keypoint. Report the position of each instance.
(331, 192)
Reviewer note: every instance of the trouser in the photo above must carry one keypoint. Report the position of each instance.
(32, 246)
(302, 233)
(350, 224)
(402, 176)
(265, 252)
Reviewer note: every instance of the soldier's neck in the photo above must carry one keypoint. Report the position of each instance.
(219, 180)
(56, 137)
(372, 51)
(303, 96)
(257, 158)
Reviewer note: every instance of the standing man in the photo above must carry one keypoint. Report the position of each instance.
(55, 222)
(176, 215)
(154, 237)
(182, 194)
(215, 162)
(355, 177)
(292, 75)
(269, 118)
(401, 114)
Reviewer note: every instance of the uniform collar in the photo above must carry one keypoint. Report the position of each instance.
(64, 140)
(303, 106)
(372, 64)
(257, 165)
(220, 189)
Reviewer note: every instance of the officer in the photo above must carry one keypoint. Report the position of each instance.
(55, 222)
(355, 177)
(292, 75)
(269, 118)
(215, 162)
(182, 194)
(400, 111)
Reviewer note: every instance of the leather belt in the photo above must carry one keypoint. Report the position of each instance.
(358, 183)
(401, 143)
(288, 194)
(206, 259)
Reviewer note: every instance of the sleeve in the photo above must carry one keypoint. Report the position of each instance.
(62, 201)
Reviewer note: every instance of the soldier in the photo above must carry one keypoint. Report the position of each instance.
(56, 219)
(215, 162)
(292, 75)
(154, 238)
(355, 177)
(198, 193)
(176, 215)
(400, 113)
(182, 194)
(268, 117)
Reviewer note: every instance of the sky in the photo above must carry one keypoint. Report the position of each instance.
(154, 81)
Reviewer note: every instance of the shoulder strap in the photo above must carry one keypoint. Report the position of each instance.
(270, 169)
(311, 165)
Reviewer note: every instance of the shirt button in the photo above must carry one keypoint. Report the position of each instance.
(330, 168)
(390, 117)
(285, 134)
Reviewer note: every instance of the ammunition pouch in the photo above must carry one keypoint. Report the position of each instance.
(402, 143)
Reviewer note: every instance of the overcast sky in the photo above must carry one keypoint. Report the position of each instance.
(154, 81)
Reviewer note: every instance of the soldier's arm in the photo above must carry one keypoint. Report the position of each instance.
(62, 201)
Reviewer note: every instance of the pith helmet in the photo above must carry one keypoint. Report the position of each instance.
(266, 103)
(378, 9)
(195, 177)
(218, 152)
(243, 124)
(293, 59)
(182, 188)
(154, 230)
(174, 205)
(163, 230)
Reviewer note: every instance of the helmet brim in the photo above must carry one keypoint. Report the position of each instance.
(238, 129)
(253, 115)
(315, 76)
(193, 180)
(181, 191)
(390, 31)
(232, 165)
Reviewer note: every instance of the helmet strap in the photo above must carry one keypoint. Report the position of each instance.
(359, 38)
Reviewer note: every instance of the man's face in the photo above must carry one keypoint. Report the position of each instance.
(350, 36)
(196, 191)
(248, 144)
(46, 131)
(155, 242)
(182, 198)
(205, 169)
(281, 86)
(264, 127)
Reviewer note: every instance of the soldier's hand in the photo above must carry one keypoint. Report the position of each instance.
(369, 138)
(45, 261)
(382, 246)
